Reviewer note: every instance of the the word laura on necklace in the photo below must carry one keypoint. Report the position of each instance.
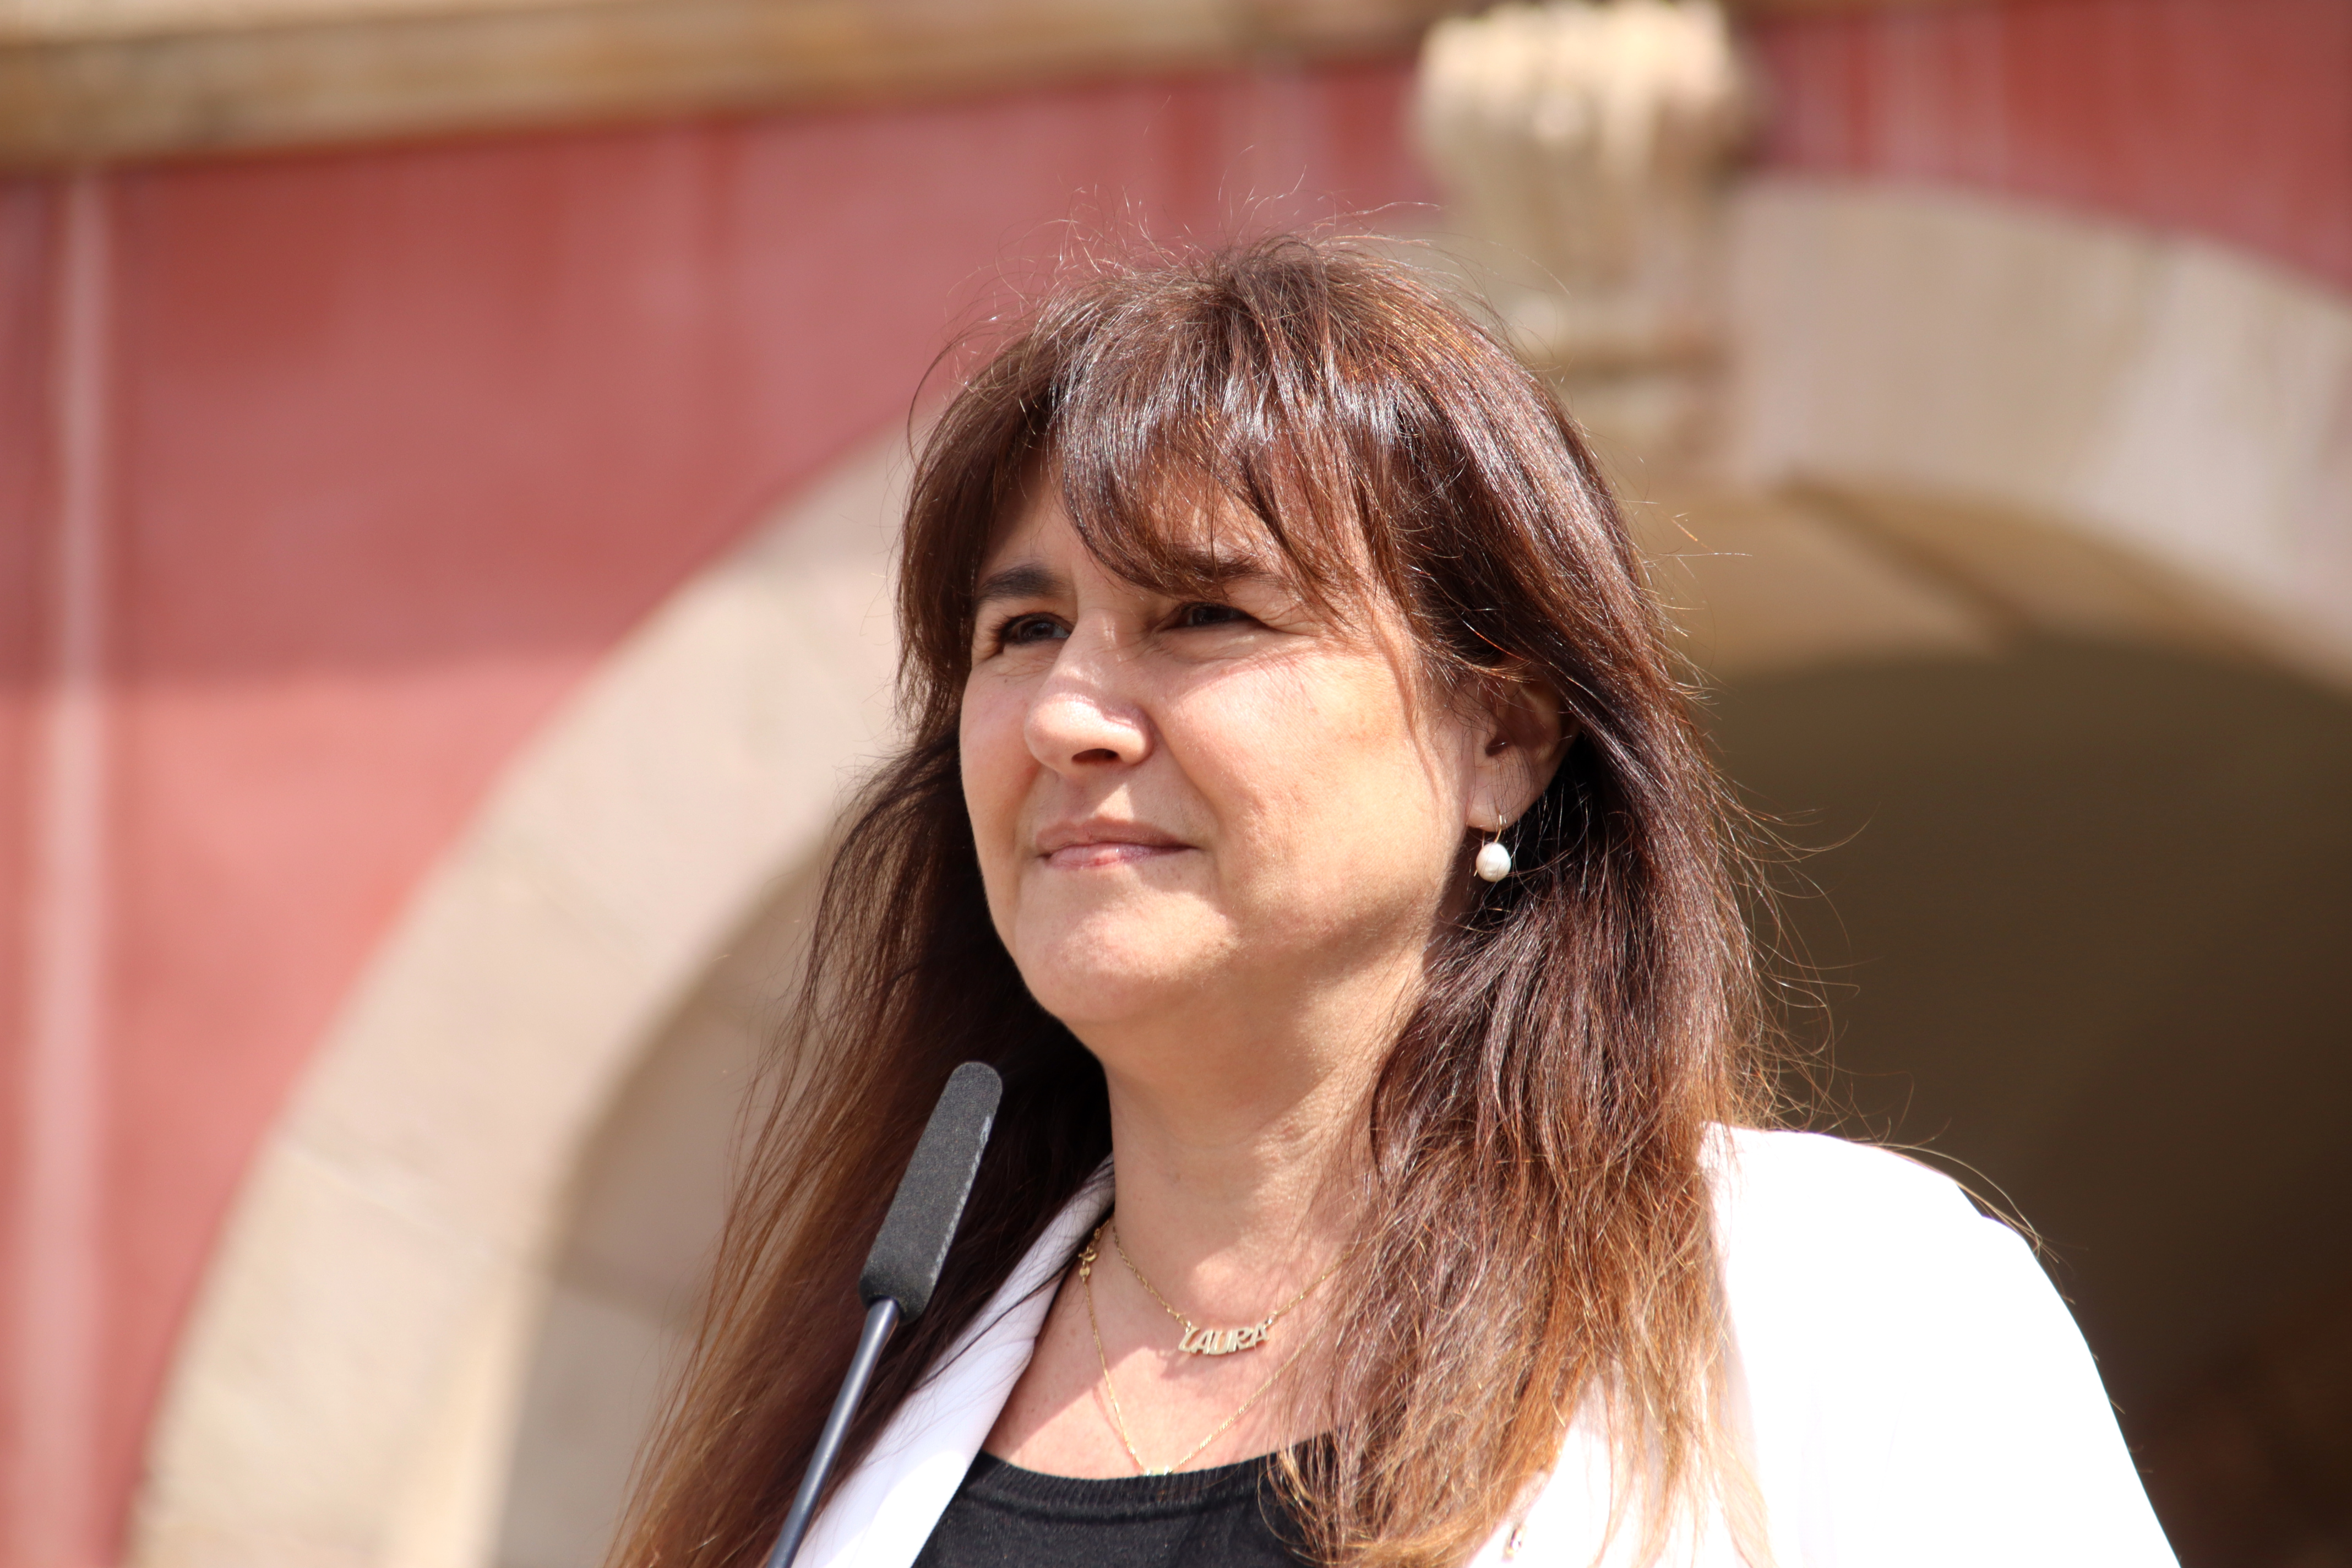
(1198, 1340)
(1223, 1341)
(1111, 1392)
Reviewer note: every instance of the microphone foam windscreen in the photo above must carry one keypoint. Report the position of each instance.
(913, 1248)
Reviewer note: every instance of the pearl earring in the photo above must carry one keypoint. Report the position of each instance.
(1494, 862)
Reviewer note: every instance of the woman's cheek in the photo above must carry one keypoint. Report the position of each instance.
(990, 753)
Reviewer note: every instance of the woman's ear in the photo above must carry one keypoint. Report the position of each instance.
(1523, 733)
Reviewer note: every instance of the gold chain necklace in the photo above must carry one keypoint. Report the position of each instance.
(1111, 1394)
(1198, 1340)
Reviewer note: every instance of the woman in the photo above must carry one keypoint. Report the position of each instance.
(1301, 812)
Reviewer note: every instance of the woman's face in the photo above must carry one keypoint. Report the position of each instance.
(1202, 814)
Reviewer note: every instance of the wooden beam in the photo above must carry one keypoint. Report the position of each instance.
(94, 88)
(95, 80)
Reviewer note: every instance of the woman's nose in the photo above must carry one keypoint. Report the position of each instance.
(1082, 718)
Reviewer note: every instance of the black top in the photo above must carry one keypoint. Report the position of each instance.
(1006, 1517)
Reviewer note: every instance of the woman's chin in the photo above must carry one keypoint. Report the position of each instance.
(1112, 973)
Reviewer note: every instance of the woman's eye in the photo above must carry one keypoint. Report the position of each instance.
(1023, 629)
(1208, 614)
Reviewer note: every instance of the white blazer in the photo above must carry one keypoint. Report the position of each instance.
(1907, 1388)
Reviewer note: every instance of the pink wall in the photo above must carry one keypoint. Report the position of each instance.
(2227, 118)
(22, 290)
(400, 442)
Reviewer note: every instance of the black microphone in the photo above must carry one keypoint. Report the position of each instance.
(903, 1269)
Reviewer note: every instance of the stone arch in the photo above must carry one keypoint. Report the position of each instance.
(2033, 595)
(345, 1390)
(2039, 421)
(1956, 423)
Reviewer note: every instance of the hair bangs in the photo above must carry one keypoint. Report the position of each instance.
(1242, 401)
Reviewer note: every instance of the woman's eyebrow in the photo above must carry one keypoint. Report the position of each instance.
(1217, 569)
(1194, 571)
(1026, 580)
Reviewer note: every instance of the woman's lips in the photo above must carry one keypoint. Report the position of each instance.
(1081, 850)
(1088, 856)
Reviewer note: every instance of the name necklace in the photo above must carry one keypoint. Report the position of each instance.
(1198, 1340)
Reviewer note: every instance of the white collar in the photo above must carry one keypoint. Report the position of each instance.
(888, 1508)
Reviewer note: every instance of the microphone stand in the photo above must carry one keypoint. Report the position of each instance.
(903, 1269)
(881, 1317)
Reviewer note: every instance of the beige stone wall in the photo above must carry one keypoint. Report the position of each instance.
(625, 1282)
(2092, 429)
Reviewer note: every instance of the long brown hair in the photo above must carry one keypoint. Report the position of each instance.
(1537, 1235)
